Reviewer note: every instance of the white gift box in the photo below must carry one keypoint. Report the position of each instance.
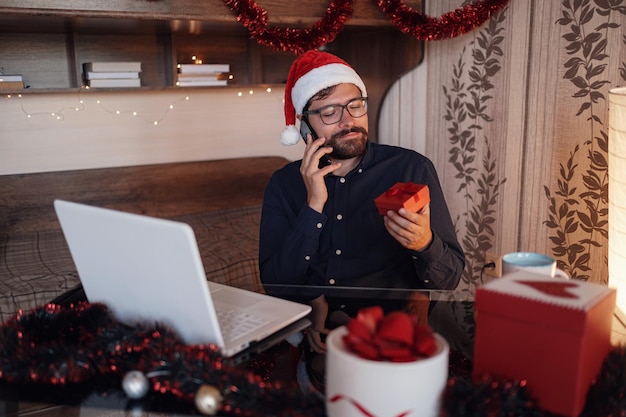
(358, 387)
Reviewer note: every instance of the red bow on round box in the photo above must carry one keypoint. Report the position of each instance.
(396, 337)
(381, 365)
(409, 195)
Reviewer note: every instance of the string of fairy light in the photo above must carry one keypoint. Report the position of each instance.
(59, 114)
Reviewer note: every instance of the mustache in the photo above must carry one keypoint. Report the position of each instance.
(355, 129)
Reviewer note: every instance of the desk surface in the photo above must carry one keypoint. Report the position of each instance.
(449, 313)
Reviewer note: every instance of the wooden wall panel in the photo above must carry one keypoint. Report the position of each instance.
(46, 64)
(215, 123)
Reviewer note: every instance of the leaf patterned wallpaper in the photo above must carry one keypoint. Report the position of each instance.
(469, 101)
(578, 213)
(517, 125)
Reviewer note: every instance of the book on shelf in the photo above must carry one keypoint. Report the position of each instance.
(111, 66)
(200, 77)
(114, 82)
(200, 83)
(202, 68)
(11, 85)
(10, 77)
(90, 75)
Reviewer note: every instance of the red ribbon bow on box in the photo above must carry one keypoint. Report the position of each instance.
(396, 337)
(405, 188)
(411, 196)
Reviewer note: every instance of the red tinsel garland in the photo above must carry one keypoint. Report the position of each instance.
(449, 25)
(254, 18)
(452, 24)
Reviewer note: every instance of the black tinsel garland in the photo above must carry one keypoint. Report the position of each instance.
(55, 347)
(82, 344)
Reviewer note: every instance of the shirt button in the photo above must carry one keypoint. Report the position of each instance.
(426, 281)
(360, 170)
(338, 252)
(307, 258)
(319, 225)
(331, 281)
(339, 217)
(342, 180)
(342, 306)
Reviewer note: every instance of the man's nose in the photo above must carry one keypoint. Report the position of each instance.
(346, 118)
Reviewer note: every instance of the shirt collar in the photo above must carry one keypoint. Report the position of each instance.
(368, 155)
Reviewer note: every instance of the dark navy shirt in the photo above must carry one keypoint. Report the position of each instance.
(347, 244)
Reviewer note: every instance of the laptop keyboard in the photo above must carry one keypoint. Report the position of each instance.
(235, 324)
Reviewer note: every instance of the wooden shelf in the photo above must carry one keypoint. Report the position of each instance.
(54, 60)
(48, 41)
(85, 90)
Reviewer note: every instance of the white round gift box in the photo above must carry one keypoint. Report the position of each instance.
(359, 387)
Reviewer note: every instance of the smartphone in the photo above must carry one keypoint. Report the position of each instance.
(305, 130)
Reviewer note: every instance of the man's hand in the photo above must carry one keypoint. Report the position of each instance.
(318, 327)
(412, 230)
(313, 176)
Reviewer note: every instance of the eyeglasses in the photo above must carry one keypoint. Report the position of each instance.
(357, 107)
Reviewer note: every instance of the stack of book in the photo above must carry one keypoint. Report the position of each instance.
(11, 82)
(112, 74)
(197, 75)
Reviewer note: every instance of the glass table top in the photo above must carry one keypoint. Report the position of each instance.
(449, 313)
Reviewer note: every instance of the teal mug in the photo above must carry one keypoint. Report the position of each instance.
(532, 262)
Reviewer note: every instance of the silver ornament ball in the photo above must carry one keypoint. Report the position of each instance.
(135, 385)
(208, 399)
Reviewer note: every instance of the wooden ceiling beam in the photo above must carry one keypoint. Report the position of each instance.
(280, 12)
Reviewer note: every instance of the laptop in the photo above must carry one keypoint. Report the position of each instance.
(149, 270)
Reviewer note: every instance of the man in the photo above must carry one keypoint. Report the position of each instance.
(320, 226)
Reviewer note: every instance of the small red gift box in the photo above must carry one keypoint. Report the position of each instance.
(553, 333)
(409, 195)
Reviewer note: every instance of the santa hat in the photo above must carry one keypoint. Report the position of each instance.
(310, 73)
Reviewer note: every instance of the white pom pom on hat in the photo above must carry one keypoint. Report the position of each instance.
(310, 73)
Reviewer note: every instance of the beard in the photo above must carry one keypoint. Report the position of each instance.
(348, 149)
